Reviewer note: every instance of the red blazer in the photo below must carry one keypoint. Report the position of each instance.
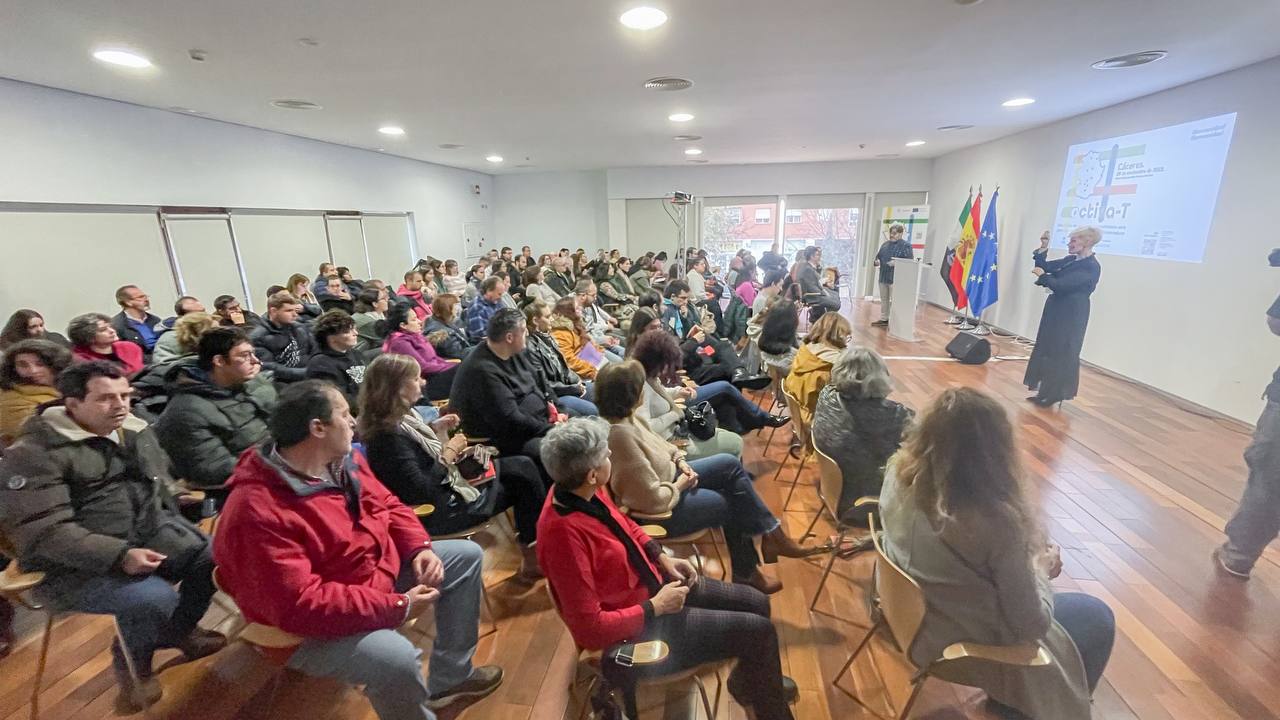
(599, 594)
(126, 354)
(293, 555)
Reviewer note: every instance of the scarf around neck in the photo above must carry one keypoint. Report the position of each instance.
(569, 502)
(421, 433)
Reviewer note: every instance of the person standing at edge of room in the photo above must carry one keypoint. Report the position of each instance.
(894, 247)
(1257, 521)
(1054, 369)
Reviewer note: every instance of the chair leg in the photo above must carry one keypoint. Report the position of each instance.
(706, 702)
(826, 573)
(916, 686)
(40, 666)
(857, 651)
(781, 465)
(808, 532)
(715, 545)
(493, 617)
(795, 481)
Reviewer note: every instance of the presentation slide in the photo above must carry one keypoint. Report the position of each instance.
(1152, 193)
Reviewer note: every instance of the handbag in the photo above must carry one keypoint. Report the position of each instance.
(700, 420)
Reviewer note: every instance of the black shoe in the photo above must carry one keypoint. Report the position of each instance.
(1042, 401)
(136, 697)
(483, 681)
(880, 323)
(201, 643)
(743, 381)
(790, 691)
(776, 421)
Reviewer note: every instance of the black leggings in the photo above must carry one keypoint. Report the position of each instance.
(518, 486)
(719, 621)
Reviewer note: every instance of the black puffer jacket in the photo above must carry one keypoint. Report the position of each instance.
(74, 502)
(283, 349)
(205, 427)
(343, 369)
(860, 435)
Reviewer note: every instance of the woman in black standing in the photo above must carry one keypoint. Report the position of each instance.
(1054, 369)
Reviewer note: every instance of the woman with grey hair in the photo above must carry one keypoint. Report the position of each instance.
(858, 426)
(1054, 369)
(93, 338)
(614, 584)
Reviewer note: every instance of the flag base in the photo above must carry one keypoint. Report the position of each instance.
(966, 325)
(980, 330)
(953, 320)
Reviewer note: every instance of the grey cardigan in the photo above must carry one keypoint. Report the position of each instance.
(978, 587)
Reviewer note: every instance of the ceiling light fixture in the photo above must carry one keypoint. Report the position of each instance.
(686, 138)
(395, 130)
(667, 84)
(287, 104)
(643, 18)
(1120, 62)
(951, 128)
(494, 159)
(450, 146)
(680, 117)
(887, 155)
(693, 151)
(123, 58)
(1018, 102)
(915, 143)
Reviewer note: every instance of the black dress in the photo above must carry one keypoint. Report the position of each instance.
(1054, 368)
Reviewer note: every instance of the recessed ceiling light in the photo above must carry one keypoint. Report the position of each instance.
(1018, 102)
(699, 161)
(494, 159)
(295, 105)
(1131, 60)
(450, 146)
(693, 151)
(680, 117)
(967, 2)
(915, 143)
(667, 84)
(887, 155)
(950, 128)
(643, 18)
(124, 58)
(686, 138)
(391, 130)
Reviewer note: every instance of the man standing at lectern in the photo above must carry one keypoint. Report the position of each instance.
(1257, 521)
(895, 247)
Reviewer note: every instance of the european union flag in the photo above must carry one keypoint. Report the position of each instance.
(983, 287)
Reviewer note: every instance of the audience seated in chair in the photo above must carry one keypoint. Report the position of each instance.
(406, 338)
(572, 392)
(486, 304)
(421, 464)
(859, 427)
(601, 326)
(230, 314)
(338, 362)
(536, 287)
(614, 584)
(283, 344)
(963, 527)
(443, 331)
(300, 287)
(499, 393)
(134, 323)
(312, 543)
(336, 296)
(560, 279)
(811, 368)
(415, 292)
(28, 324)
(583, 355)
(705, 294)
(93, 337)
(28, 371)
(370, 318)
(321, 283)
(84, 495)
(454, 282)
(218, 407)
(651, 476)
(167, 346)
(151, 386)
(812, 293)
(706, 357)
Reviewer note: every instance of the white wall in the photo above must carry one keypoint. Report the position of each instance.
(853, 176)
(548, 211)
(64, 147)
(1195, 330)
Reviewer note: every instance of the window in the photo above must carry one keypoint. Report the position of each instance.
(793, 217)
(724, 233)
(733, 215)
(763, 216)
(835, 230)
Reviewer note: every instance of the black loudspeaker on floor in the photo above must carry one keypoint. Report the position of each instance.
(969, 349)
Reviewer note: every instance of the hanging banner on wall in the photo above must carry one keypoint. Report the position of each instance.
(913, 218)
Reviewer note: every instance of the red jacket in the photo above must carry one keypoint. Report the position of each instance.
(601, 598)
(421, 307)
(293, 555)
(125, 354)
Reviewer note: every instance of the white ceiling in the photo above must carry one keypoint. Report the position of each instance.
(559, 81)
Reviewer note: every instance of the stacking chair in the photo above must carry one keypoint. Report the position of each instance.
(16, 587)
(648, 523)
(645, 654)
(830, 485)
(801, 417)
(900, 608)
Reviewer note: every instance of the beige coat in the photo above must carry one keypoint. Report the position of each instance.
(644, 467)
(978, 588)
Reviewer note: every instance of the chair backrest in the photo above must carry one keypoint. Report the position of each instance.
(830, 479)
(901, 599)
(800, 415)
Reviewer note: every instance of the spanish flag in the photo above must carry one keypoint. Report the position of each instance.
(949, 257)
(964, 251)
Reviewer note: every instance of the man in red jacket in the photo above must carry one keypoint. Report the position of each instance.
(312, 543)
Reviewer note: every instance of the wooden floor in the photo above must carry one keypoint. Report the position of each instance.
(1135, 489)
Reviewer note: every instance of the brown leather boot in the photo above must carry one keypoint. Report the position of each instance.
(776, 542)
(761, 582)
(529, 568)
